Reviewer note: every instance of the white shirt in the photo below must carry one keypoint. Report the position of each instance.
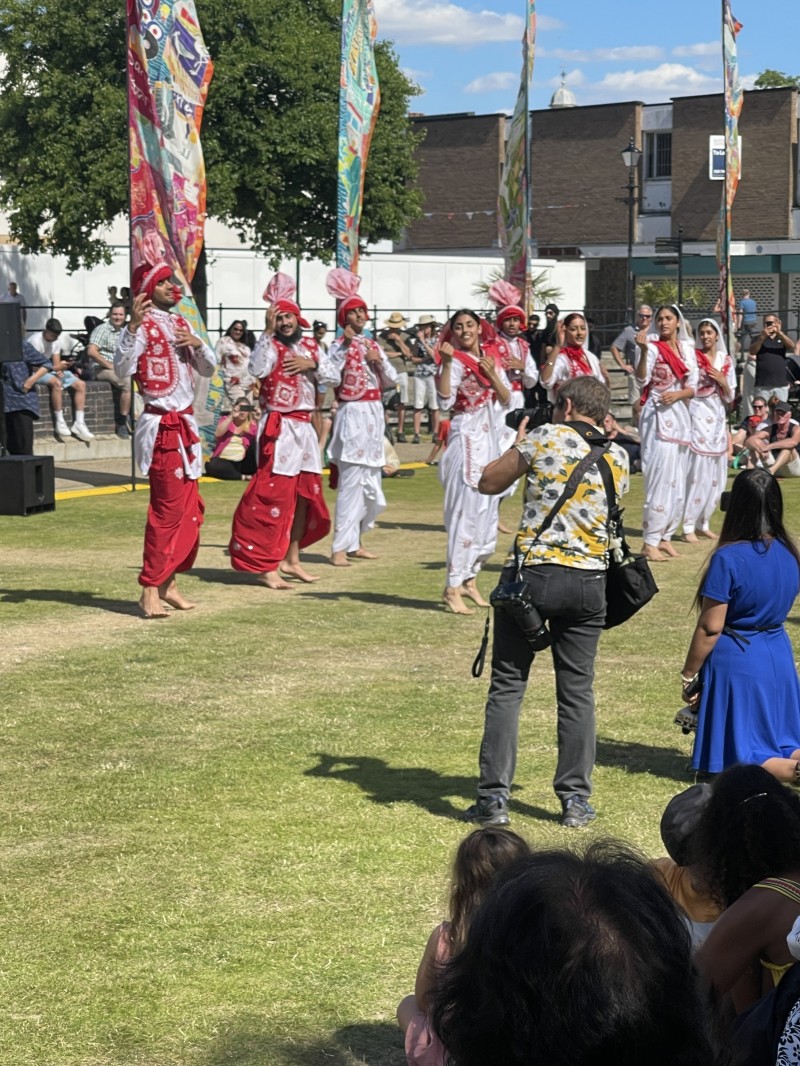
(297, 446)
(358, 426)
(47, 348)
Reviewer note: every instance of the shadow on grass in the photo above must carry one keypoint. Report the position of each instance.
(97, 478)
(223, 575)
(425, 788)
(377, 597)
(245, 1041)
(636, 758)
(412, 527)
(71, 598)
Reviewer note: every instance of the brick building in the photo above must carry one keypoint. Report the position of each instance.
(579, 192)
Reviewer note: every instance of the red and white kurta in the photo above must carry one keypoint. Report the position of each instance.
(289, 464)
(707, 467)
(166, 444)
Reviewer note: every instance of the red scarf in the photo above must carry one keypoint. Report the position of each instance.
(577, 356)
(673, 361)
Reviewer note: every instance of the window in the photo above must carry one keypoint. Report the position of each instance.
(657, 156)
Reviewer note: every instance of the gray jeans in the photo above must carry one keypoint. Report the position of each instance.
(574, 604)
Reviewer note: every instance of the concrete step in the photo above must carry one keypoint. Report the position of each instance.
(73, 450)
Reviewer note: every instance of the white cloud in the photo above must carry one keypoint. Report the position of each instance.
(748, 81)
(500, 81)
(655, 85)
(624, 54)
(417, 76)
(420, 23)
(571, 77)
(712, 48)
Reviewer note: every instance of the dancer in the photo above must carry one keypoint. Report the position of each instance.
(162, 353)
(471, 381)
(358, 370)
(481, 855)
(570, 357)
(283, 508)
(708, 451)
(667, 371)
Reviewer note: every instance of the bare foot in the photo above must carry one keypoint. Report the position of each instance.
(653, 555)
(362, 553)
(690, 538)
(273, 580)
(150, 604)
(666, 547)
(339, 559)
(453, 602)
(470, 590)
(296, 570)
(168, 592)
(501, 528)
(708, 534)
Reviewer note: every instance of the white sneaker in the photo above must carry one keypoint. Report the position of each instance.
(81, 431)
(61, 429)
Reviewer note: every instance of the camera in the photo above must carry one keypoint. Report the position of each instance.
(246, 407)
(516, 599)
(537, 416)
(686, 718)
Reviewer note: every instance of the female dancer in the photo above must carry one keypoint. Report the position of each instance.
(667, 371)
(570, 356)
(708, 450)
(749, 706)
(471, 380)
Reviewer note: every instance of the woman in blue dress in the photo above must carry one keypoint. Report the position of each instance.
(749, 703)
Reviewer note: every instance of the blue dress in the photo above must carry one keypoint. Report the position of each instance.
(750, 704)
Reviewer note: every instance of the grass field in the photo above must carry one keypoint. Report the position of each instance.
(226, 835)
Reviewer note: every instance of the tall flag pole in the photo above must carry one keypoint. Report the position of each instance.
(359, 103)
(733, 108)
(169, 70)
(514, 200)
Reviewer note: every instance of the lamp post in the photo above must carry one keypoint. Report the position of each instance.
(630, 157)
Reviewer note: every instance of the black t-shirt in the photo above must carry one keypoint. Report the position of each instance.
(771, 364)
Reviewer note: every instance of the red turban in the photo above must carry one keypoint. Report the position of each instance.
(510, 312)
(290, 307)
(350, 305)
(146, 277)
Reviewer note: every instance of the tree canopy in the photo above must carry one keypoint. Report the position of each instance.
(269, 131)
(776, 79)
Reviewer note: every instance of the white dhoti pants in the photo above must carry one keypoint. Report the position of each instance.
(470, 519)
(705, 481)
(359, 501)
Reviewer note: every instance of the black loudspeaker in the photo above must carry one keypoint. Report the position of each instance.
(27, 484)
(10, 333)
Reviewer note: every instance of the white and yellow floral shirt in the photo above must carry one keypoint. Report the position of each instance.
(578, 536)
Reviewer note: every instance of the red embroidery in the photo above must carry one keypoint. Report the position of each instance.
(157, 371)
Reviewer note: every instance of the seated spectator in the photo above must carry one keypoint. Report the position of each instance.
(575, 960)
(627, 438)
(48, 341)
(20, 402)
(682, 872)
(101, 347)
(754, 423)
(233, 360)
(775, 445)
(479, 858)
(391, 462)
(749, 842)
(234, 456)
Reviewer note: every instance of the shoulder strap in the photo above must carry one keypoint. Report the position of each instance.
(570, 488)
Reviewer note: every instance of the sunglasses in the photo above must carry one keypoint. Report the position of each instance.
(643, 315)
(759, 407)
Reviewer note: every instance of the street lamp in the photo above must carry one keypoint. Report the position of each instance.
(630, 157)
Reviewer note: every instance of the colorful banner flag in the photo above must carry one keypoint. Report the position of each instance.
(359, 102)
(169, 70)
(514, 200)
(733, 108)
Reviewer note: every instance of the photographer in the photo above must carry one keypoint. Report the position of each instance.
(563, 561)
(234, 455)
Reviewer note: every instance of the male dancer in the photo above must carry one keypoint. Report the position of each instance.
(283, 509)
(358, 370)
(162, 353)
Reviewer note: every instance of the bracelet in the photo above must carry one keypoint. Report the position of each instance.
(689, 680)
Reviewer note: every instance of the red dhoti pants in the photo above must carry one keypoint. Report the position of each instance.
(262, 523)
(174, 517)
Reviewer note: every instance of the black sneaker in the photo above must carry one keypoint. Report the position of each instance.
(578, 812)
(122, 431)
(488, 810)
(415, 439)
(401, 438)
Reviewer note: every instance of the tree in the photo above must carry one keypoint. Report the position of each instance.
(665, 291)
(776, 79)
(269, 131)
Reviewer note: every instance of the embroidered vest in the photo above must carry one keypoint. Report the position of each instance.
(357, 379)
(706, 386)
(472, 394)
(281, 391)
(158, 369)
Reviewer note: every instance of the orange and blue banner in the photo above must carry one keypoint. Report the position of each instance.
(169, 70)
(733, 109)
(359, 102)
(514, 200)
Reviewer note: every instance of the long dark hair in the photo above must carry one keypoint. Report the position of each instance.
(749, 830)
(755, 514)
(479, 857)
(237, 322)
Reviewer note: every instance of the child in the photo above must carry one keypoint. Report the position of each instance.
(680, 872)
(439, 442)
(480, 856)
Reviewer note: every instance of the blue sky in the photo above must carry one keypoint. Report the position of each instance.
(466, 55)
